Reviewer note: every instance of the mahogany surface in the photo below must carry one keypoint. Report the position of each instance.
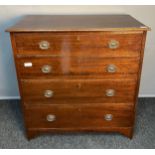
(47, 23)
(84, 90)
(77, 66)
(80, 115)
(83, 44)
(79, 55)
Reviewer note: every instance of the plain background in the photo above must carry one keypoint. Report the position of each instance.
(11, 14)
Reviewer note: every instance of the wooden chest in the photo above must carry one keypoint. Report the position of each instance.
(78, 73)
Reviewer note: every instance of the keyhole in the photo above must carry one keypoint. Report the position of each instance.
(78, 38)
(79, 85)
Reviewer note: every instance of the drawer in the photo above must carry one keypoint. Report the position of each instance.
(92, 44)
(79, 116)
(49, 66)
(70, 90)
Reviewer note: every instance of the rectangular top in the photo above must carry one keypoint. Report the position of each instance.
(49, 23)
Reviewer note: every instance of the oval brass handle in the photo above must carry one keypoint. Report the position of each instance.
(113, 44)
(44, 45)
(48, 93)
(110, 92)
(111, 68)
(108, 117)
(50, 118)
(46, 69)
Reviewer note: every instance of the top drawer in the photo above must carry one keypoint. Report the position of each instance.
(92, 44)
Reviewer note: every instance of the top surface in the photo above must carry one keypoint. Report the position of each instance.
(42, 23)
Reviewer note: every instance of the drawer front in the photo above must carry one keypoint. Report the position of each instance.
(73, 90)
(48, 67)
(92, 44)
(79, 116)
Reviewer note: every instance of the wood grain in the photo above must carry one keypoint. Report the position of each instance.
(79, 116)
(79, 54)
(82, 44)
(42, 23)
(34, 132)
(82, 90)
(69, 66)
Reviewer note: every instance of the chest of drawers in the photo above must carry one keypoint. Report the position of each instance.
(78, 73)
